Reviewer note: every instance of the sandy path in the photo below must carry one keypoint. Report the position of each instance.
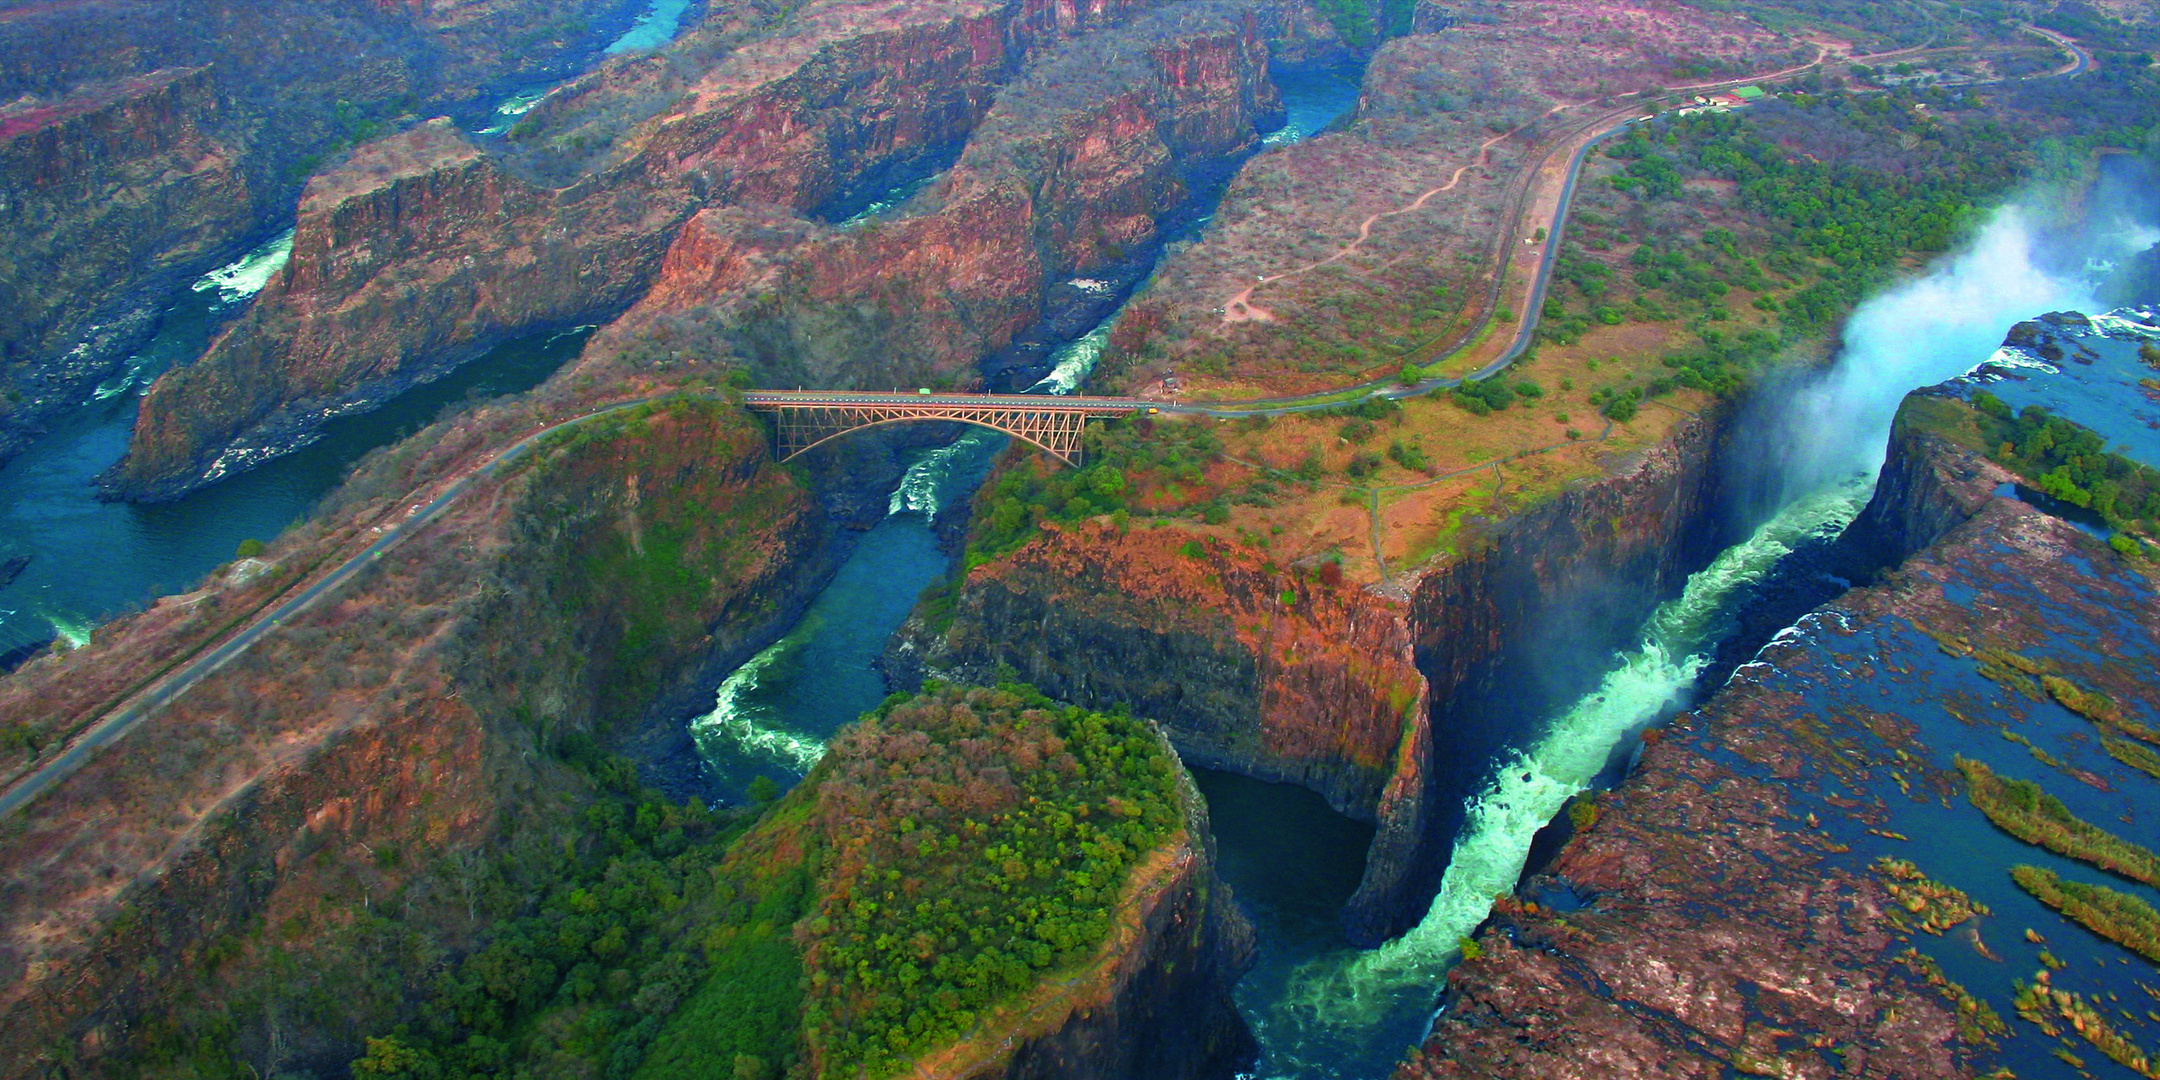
(1240, 308)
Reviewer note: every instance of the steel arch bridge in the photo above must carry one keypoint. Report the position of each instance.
(808, 418)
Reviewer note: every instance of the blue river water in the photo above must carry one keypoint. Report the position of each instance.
(773, 716)
(89, 560)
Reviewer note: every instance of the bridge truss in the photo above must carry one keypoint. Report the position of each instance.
(806, 420)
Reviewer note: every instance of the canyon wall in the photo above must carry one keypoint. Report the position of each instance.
(143, 144)
(1377, 698)
(1749, 896)
(388, 743)
(1075, 166)
(567, 222)
(121, 187)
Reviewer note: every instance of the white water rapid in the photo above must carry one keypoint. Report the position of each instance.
(1827, 443)
(246, 276)
(740, 727)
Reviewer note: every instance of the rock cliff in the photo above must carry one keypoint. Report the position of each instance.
(1372, 697)
(144, 144)
(137, 174)
(388, 743)
(1074, 167)
(568, 223)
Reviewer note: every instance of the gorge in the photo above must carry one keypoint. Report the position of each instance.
(543, 782)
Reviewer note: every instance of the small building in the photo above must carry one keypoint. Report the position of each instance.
(1748, 93)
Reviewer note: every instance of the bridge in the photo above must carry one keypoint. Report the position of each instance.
(808, 418)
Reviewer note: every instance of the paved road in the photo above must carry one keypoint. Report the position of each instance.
(1030, 402)
(148, 702)
(143, 705)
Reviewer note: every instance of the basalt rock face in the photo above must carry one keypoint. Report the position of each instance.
(1369, 697)
(1729, 907)
(137, 176)
(385, 743)
(1583, 567)
(568, 223)
(418, 252)
(1928, 486)
(146, 143)
(1076, 165)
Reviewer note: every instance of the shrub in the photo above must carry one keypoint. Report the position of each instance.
(2023, 810)
(249, 548)
(1007, 842)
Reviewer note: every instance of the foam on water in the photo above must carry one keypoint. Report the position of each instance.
(515, 106)
(736, 726)
(1348, 992)
(1070, 365)
(923, 489)
(246, 276)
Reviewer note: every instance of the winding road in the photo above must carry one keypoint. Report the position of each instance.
(211, 655)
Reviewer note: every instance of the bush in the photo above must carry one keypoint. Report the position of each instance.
(2023, 810)
(249, 548)
(1485, 396)
(1408, 456)
(1005, 844)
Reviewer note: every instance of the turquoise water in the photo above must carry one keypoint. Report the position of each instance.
(92, 560)
(772, 716)
(656, 27)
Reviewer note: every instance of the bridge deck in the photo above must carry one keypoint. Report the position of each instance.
(810, 417)
(805, 399)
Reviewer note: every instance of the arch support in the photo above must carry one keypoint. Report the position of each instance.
(1052, 424)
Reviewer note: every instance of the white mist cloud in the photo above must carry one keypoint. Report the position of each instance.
(1934, 327)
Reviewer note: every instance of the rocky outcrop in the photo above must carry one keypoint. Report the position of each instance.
(463, 250)
(1162, 1008)
(1374, 699)
(417, 253)
(385, 739)
(143, 146)
(1929, 484)
(1073, 168)
(116, 188)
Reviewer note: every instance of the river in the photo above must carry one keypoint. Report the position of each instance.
(89, 561)
(772, 716)
(1321, 1009)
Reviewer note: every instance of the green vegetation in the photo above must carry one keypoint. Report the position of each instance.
(2071, 462)
(1486, 396)
(1977, 1022)
(1835, 189)
(2117, 916)
(249, 548)
(2023, 810)
(619, 937)
(1937, 906)
(1364, 24)
(669, 943)
(1168, 462)
(2138, 757)
(2040, 1003)
(647, 568)
(1009, 825)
